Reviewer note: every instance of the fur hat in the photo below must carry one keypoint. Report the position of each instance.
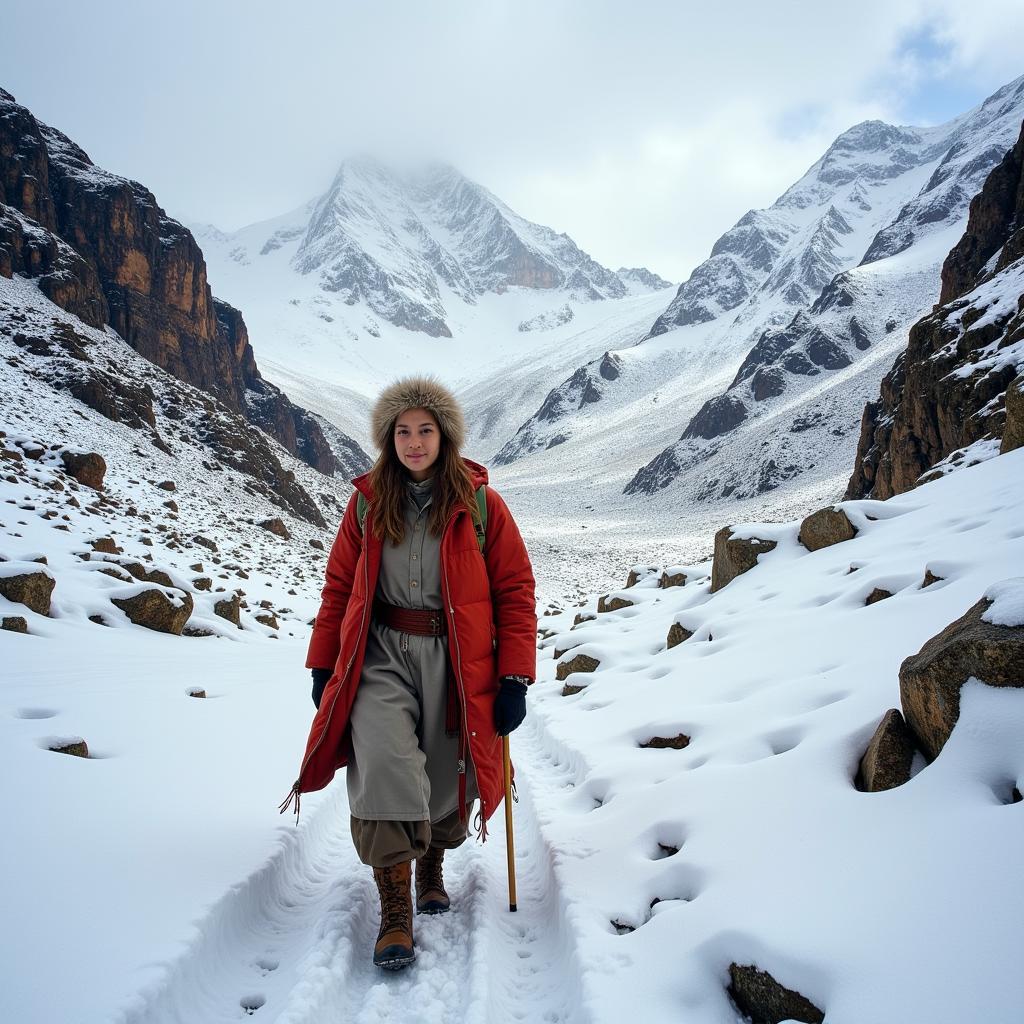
(417, 393)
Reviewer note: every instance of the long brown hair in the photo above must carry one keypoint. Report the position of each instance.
(453, 489)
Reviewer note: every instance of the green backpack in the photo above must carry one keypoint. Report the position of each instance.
(479, 514)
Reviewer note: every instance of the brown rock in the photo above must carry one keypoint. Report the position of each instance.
(930, 680)
(32, 589)
(824, 528)
(876, 595)
(581, 663)
(229, 608)
(157, 610)
(930, 578)
(276, 527)
(667, 742)
(764, 1001)
(105, 545)
(638, 574)
(197, 692)
(14, 624)
(612, 604)
(172, 505)
(167, 485)
(676, 635)
(672, 579)
(76, 748)
(571, 688)
(87, 468)
(1013, 431)
(734, 556)
(202, 583)
(314, 543)
(581, 617)
(197, 567)
(196, 631)
(268, 620)
(204, 542)
(886, 763)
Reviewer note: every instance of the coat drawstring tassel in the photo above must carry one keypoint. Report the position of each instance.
(295, 795)
(480, 825)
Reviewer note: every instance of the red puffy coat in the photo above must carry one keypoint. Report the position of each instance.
(492, 625)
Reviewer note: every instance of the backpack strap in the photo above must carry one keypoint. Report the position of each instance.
(479, 514)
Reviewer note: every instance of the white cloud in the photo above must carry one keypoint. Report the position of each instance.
(643, 130)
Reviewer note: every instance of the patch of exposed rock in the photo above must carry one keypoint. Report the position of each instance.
(157, 609)
(764, 1000)
(824, 528)
(32, 589)
(734, 556)
(930, 680)
(887, 761)
(948, 389)
(581, 663)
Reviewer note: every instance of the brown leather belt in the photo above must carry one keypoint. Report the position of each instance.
(417, 621)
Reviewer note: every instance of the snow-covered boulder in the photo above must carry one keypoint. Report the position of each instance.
(30, 588)
(163, 609)
(887, 762)
(824, 528)
(88, 468)
(983, 644)
(765, 1001)
(735, 555)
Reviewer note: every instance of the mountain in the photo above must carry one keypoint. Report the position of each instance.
(102, 248)
(413, 246)
(862, 276)
(951, 397)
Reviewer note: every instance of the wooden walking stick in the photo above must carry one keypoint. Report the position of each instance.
(511, 850)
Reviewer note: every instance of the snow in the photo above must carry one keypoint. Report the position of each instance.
(1007, 599)
(158, 882)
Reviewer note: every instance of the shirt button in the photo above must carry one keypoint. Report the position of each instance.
(414, 557)
(413, 583)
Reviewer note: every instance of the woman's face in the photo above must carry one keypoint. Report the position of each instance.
(417, 442)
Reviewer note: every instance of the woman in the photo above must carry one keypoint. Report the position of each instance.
(421, 654)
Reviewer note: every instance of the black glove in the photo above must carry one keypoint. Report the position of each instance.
(510, 707)
(320, 677)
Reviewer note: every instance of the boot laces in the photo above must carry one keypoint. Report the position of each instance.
(394, 902)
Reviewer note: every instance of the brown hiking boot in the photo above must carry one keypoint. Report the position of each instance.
(431, 897)
(394, 948)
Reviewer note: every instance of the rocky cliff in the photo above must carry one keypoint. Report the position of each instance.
(948, 391)
(101, 247)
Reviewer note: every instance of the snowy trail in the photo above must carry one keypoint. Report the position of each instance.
(292, 943)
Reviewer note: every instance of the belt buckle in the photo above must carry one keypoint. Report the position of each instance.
(435, 625)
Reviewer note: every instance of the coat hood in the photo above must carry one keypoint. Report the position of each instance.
(417, 393)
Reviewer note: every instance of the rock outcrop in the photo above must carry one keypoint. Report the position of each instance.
(32, 589)
(947, 390)
(824, 528)
(930, 680)
(163, 610)
(887, 762)
(101, 247)
(734, 556)
(581, 663)
(764, 1000)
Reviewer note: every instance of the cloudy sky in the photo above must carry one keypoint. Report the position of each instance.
(644, 130)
